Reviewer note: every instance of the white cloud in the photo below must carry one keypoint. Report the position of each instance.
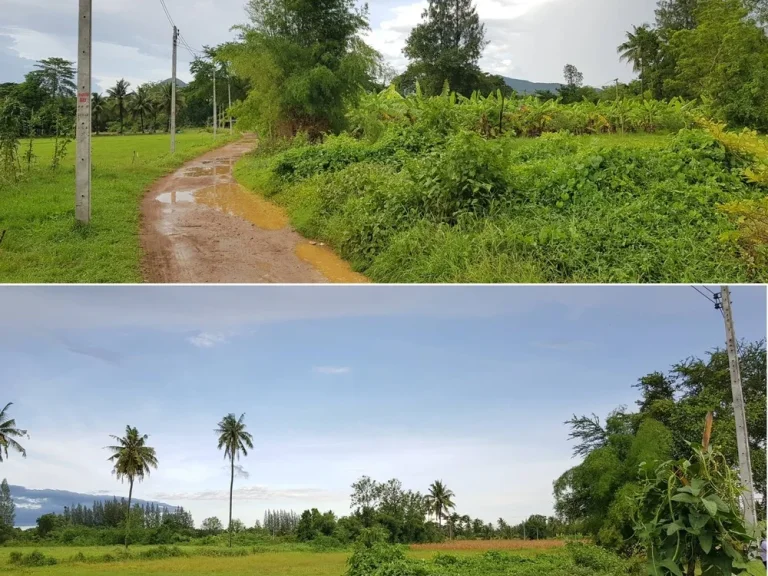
(332, 369)
(391, 34)
(207, 340)
(29, 503)
(256, 492)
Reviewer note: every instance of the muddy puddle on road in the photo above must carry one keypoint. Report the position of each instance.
(237, 201)
(205, 242)
(331, 266)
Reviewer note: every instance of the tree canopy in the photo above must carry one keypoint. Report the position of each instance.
(446, 47)
(305, 62)
(598, 492)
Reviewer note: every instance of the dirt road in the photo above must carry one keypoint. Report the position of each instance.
(199, 226)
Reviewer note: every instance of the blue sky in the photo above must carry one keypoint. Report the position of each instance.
(530, 39)
(469, 385)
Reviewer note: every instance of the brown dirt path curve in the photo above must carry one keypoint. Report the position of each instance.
(199, 226)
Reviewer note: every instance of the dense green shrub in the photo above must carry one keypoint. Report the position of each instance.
(161, 552)
(579, 560)
(558, 208)
(34, 558)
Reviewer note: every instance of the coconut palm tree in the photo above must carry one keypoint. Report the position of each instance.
(439, 500)
(234, 439)
(132, 459)
(9, 431)
(141, 105)
(120, 93)
(641, 49)
(98, 106)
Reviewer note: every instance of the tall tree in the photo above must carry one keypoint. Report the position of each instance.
(599, 492)
(306, 62)
(9, 431)
(58, 76)
(572, 76)
(673, 15)
(98, 107)
(133, 460)
(234, 439)
(7, 507)
(447, 46)
(166, 101)
(120, 92)
(642, 50)
(141, 105)
(725, 60)
(440, 499)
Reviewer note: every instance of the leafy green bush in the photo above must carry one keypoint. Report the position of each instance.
(688, 513)
(427, 190)
(224, 552)
(370, 557)
(593, 557)
(161, 552)
(34, 558)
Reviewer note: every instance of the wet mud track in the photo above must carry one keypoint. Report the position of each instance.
(200, 226)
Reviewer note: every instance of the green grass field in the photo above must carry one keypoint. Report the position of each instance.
(43, 244)
(513, 558)
(279, 560)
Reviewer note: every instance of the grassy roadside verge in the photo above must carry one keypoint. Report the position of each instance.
(43, 244)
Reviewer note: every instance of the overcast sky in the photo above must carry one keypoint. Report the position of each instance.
(530, 39)
(467, 385)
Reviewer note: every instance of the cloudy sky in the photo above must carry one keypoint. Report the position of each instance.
(468, 385)
(530, 39)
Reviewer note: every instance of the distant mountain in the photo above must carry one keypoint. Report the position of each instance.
(179, 83)
(31, 504)
(526, 87)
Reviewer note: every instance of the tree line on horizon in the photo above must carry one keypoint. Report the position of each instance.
(299, 67)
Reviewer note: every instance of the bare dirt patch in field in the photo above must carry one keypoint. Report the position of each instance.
(481, 545)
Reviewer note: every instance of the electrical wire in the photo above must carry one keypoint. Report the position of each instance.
(704, 295)
(717, 304)
(192, 52)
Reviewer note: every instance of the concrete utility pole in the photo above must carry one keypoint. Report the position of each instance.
(745, 464)
(229, 93)
(215, 117)
(173, 90)
(83, 132)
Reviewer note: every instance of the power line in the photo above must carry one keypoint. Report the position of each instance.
(194, 53)
(167, 13)
(704, 295)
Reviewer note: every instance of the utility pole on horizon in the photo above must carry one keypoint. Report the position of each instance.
(229, 94)
(173, 91)
(83, 131)
(723, 303)
(215, 118)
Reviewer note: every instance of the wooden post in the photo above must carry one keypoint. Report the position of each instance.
(742, 439)
(83, 131)
(173, 91)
